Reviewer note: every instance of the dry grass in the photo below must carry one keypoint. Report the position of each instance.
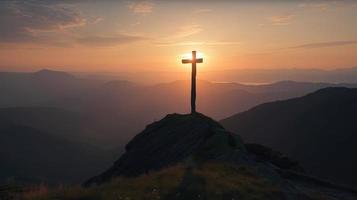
(236, 182)
(219, 181)
(35, 192)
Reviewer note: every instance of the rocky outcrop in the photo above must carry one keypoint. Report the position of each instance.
(174, 139)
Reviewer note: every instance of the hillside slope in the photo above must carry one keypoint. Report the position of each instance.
(319, 130)
(30, 155)
(172, 140)
(55, 121)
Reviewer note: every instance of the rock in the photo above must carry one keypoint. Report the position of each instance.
(266, 154)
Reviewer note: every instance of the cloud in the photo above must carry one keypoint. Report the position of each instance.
(28, 21)
(186, 31)
(222, 43)
(219, 43)
(325, 44)
(96, 20)
(202, 10)
(119, 39)
(141, 7)
(51, 23)
(281, 20)
(319, 6)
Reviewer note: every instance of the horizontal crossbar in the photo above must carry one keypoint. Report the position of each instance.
(186, 61)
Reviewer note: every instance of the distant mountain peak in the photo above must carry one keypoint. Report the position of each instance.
(52, 74)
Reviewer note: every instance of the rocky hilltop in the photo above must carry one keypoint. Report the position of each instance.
(174, 139)
(194, 157)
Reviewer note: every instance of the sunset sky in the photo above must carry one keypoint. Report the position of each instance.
(116, 36)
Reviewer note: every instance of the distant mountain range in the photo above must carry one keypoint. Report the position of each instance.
(111, 112)
(40, 88)
(318, 129)
(247, 75)
(342, 75)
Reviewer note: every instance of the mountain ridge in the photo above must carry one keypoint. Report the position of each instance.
(313, 129)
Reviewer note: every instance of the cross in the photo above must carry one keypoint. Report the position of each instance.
(193, 61)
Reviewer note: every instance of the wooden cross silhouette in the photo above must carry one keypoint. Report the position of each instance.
(193, 61)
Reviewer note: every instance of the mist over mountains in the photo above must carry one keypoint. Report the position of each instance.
(246, 75)
(343, 75)
(110, 111)
(98, 117)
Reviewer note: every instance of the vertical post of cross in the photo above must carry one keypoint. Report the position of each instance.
(193, 83)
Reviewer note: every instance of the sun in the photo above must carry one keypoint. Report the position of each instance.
(189, 55)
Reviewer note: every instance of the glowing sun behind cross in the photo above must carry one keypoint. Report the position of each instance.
(189, 55)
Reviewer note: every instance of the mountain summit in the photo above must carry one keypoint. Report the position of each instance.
(174, 139)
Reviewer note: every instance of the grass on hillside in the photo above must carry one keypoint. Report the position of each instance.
(208, 181)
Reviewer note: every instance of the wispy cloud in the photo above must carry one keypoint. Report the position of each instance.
(96, 20)
(281, 20)
(33, 21)
(202, 10)
(319, 6)
(102, 40)
(141, 7)
(325, 44)
(53, 23)
(218, 43)
(186, 31)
